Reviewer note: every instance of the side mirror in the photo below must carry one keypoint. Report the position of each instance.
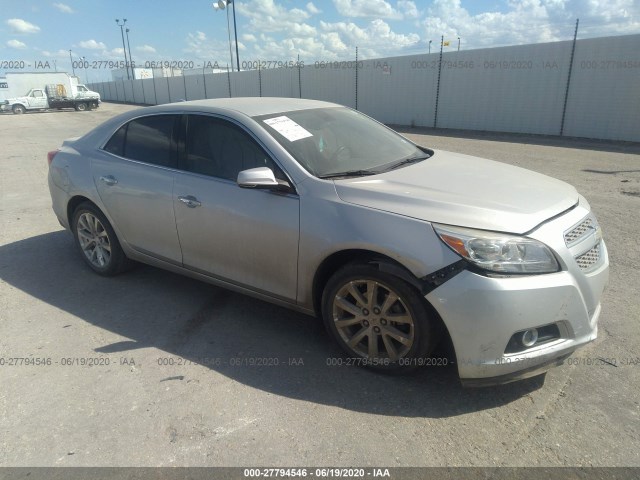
(261, 177)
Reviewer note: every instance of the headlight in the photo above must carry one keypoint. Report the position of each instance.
(498, 252)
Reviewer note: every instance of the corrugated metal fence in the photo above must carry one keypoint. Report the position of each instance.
(508, 89)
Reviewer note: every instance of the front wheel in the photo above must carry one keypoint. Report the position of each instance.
(18, 109)
(378, 318)
(97, 241)
(81, 107)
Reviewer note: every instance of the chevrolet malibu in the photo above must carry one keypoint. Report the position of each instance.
(319, 208)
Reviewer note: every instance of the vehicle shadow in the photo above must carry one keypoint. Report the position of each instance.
(617, 146)
(225, 331)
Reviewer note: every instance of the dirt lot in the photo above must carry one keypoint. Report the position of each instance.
(169, 387)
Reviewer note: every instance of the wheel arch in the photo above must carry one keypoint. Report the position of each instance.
(73, 203)
(338, 260)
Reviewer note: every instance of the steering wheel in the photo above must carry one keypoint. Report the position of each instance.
(334, 157)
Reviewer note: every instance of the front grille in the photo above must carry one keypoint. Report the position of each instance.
(589, 258)
(577, 232)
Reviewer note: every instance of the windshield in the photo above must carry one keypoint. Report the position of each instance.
(338, 141)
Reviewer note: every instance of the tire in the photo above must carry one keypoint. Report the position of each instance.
(90, 226)
(93, 105)
(81, 107)
(349, 315)
(18, 109)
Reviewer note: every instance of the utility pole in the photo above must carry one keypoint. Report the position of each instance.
(458, 43)
(124, 48)
(566, 93)
(235, 32)
(72, 67)
(130, 57)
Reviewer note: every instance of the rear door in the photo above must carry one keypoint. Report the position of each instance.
(134, 175)
(246, 236)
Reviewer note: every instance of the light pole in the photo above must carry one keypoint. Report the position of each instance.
(130, 57)
(126, 62)
(430, 42)
(217, 7)
(222, 4)
(72, 67)
(458, 43)
(86, 70)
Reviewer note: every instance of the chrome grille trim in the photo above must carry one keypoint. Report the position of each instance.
(589, 258)
(575, 233)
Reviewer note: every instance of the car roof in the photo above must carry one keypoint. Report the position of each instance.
(250, 106)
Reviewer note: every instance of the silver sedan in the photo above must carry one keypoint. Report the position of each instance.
(319, 208)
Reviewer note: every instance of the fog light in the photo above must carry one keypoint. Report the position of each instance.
(529, 337)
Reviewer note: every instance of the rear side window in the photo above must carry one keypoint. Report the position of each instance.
(147, 139)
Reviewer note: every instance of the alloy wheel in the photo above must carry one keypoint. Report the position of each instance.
(94, 240)
(373, 320)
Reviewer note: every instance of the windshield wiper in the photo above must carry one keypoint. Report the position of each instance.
(349, 173)
(406, 161)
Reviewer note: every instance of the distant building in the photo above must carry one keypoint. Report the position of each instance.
(200, 71)
(142, 73)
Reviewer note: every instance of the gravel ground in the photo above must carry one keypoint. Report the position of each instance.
(167, 389)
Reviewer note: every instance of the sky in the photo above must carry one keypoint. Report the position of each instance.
(41, 33)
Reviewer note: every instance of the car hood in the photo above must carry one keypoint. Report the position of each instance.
(462, 190)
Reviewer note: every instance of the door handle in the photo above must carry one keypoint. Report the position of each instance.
(190, 201)
(109, 180)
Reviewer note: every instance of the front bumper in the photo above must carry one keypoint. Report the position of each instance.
(482, 313)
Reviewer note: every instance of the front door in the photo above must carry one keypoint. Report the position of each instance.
(245, 236)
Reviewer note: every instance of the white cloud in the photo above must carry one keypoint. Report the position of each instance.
(59, 54)
(366, 9)
(200, 47)
(530, 21)
(18, 25)
(64, 8)
(92, 45)
(16, 44)
(267, 16)
(376, 39)
(146, 49)
(408, 9)
(312, 9)
(287, 32)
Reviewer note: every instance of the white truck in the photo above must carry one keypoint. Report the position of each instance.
(41, 91)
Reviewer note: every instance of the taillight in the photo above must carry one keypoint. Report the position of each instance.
(50, 155)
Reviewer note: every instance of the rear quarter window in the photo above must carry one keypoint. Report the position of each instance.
(146, 139)
(115, 144)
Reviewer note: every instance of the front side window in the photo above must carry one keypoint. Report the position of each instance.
(147, 139)
(220, 149)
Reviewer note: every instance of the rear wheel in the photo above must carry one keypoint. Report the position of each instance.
(97, 241)
(378, 318)
(18, 109)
